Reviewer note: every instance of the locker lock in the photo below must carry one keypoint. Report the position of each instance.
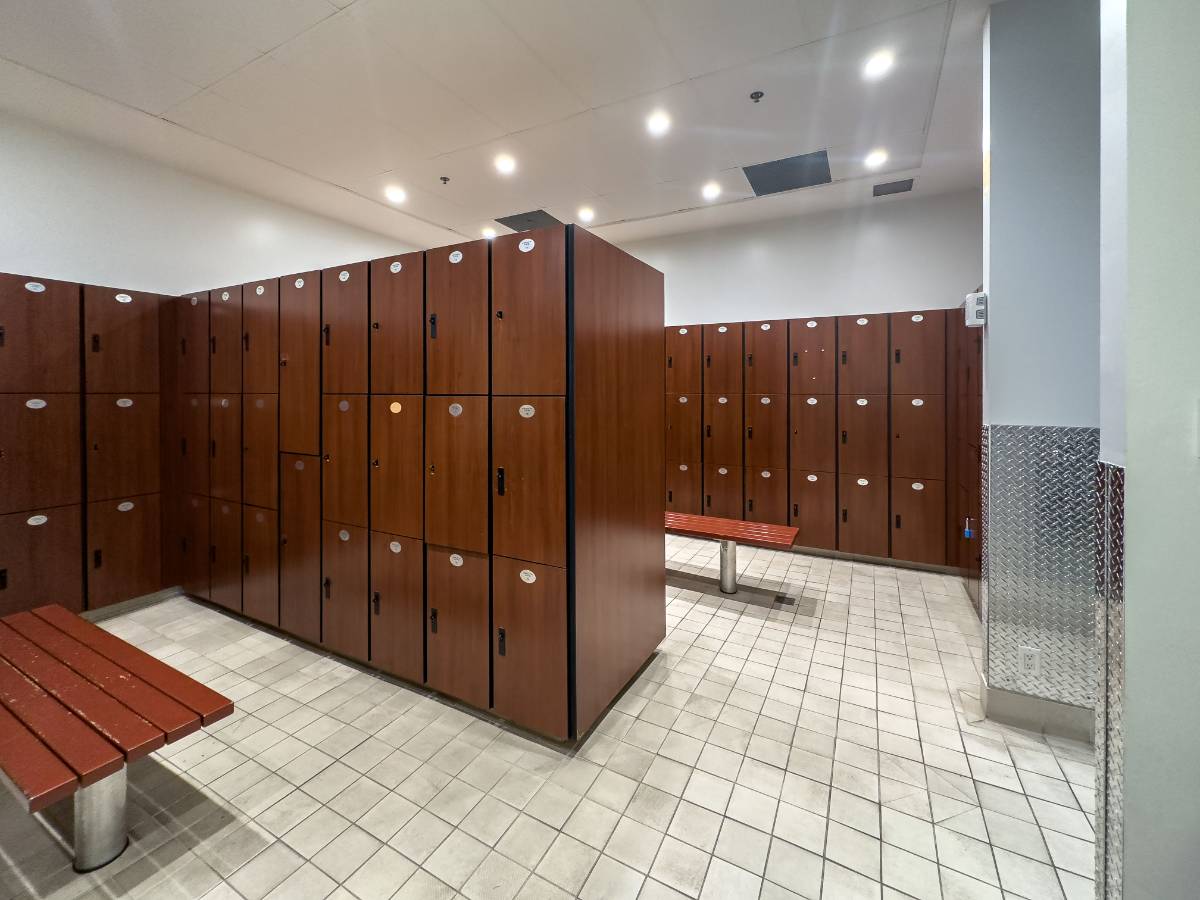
(326, 587)
(375, 602)
(501, 642)
(433, 620)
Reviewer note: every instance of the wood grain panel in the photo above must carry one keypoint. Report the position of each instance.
(766, 349)
(863, 434)
(814, 445)
(194, 450)
(41, 558)
(723, 493)
(723, 442)
(398, 324)
(225, 340)
(457, 319)
(260, 564)
(529, 312)
(685, 428)
(192, 348)
(300, 546)
(863, 523)
(457, 473)
(39, 451)
(225, 447)
(120, 333)
(300, 363)
(812, 355)
(345, 318)
(919, 436)
(194, 533)
(260, 450)
(684, 361)
(123, 445)
(456, 624)
(344, 488)
(260, 337)
(767, 495)
(225, 554)
(723, 358)
(814, 508)
(919, 520)
(766, 418)
(684, 488)
(123, 550)
(862, 354)
(398, 605)
(40, 348)
(345, 586)
(919, 352)
(529, 483)
(397, 470)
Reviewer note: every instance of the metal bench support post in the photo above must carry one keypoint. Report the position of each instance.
(728, 567)
(100, 832)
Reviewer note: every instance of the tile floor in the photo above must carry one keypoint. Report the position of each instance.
(824, 746)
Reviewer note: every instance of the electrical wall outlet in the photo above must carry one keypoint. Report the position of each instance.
(1031, 661)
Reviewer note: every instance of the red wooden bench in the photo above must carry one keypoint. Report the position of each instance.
(731, 532)
(77, 704)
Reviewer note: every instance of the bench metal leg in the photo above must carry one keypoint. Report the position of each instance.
(728, 567)
(100, 831)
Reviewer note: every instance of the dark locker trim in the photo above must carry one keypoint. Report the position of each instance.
(572, 713)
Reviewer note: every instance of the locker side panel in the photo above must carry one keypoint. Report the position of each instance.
(40, 350)
(684, 426)
(344, 329)
(39, 451)
(398, 605)
(767, 495)
(260, 337)
(456, 624)
(397, 476)
(457, 319)
(814, 445)
(260, 564)
(300, 363)
(814, 509)
(124, 453)
(344, 488)
(766, 348)
(345, 586)
(225, 556)
(124, 553)
(862, 354)
(300, 546)
(398, 324)
(683, 488)
(40, 559)
(457, 473)
(863, 523)
(812, 356)
(529, 312)
(529, 481)
(766, 420)
(260, 459)
(684, 371)
(225, 340)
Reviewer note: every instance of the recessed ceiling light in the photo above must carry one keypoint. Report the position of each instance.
(710, 191)
(658, 123)
(875, 159)
(878, 64)
(505, 164)
(395, 193)
(489, 233)
(586, 214)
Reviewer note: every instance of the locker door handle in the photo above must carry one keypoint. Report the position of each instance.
(843, 357)
(374, 326)
(97, 559)
(246, 342)
(750, 505)
(897, 356)
(212, 553)
(3, 572)
(795, 510)
(670, 362)
(183, 346)
(1, 335)
(750, 360)
(670, 496)
(183, 545)
(795, 359)
(246, 563)
(183, 446)
(327, 587)
(843, 437)
(708, 431)
(843, 515)
(433, 620)
(500, 481)
(282, 361)
(502, 640)
(499, 314)
(326, 458)
(95, 343)
(325, 330)
(375, 463)
(897, 520)
(708, 500)
(375, 602)
(212, 343)
(212, 448)
(750, 432)
(433, 325)
(708, 360)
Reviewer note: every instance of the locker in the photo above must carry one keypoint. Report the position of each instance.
(723, 358)
(397, 479)
(919, 520)
(684, 428)
(344, 453)
(260, 450)
(457, 476)
(193, 352)
(919, 352)
(260, 337)
(121, 340)
(39, 335)
(766, 348)
(123, 550)
(862, 354)
(529, 645)
(814, 432)
(723, 491)
(814, 509)
(194, 450)
(300, 546)
(194, 529)
(345, 318)
(767, 431)
(919, 436)
(123, 444)
(398, 324)
(225, 340)
(171, 537)
(260, 564)
(813, 355)
(345, 581)
(300, 363)
(456, 319)
(40, 559)
(683, 488)
(529, 500)
(39, 451)
(863, 434)
(767, 495)
(225, 447)
(529, 312)
(225, 554)
(398, 605)
(863, 522)
(723, 429)
(684, 370)
(456, 624)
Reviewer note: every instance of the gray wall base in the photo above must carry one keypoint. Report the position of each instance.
(117, 609)
(1077, 723)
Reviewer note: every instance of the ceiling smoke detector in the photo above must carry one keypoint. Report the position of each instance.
(755, 96)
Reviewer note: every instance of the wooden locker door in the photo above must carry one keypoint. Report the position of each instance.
(398, 605)
(723, 429)
(300, 546)
(260, 337)
(814, 445)
(39, 451)
(225, 447)
(683, 488)
(194, 449)
(684, 427)
(121, 340)
(192, 350)
(345, 583)
(457, 475)
(529, 500)
(684, 370)
(345, 326)
(194, 528)
(225, 554)
(863, 523)
(123, 442)
(529, 645)
(260, 445)
(919, 520)
(300, 363)
(814, 509)
(456, 624)
(767, 495)
(723, 358)
(457, 319)
(812, 356)
(398, 324)
(919, 436)
(529, 312)
(225, 340)
(723, 491)
(767, 431)
(397, 474)
(124, 554)
(919, 352)
(39, 325)
(260, 564)
(344, 487)
(863, 434)
(862, 354)
(766, 352)
(40, 559)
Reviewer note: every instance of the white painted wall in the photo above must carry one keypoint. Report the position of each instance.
(899, 253)
(1114, 229)
(77, 210)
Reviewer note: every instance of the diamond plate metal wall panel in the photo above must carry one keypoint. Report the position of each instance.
(1039, 567)
(1100, 739)
(1114, 756)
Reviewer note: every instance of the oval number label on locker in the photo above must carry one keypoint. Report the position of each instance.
(862, 482)
(861, 401)
(195, 402)
(526, 411)
(683, 399)
(124, 403)
(722, 329)
(195, 301)
(722, 471)
(344, 405)
(395, 546)
(456, 409)
(722, 400)
(125, 506)
(395, 268)
(259, 403)
(810, 324)
(260, 290)
(34, 287)
(526, 245)
(527, 576)
(683, 331)
(765, 401)
(343, 535)
(299, 282)
(299, 465)
(343, 276)
(811, 401)
(765, 326)
(918, 402)
(683, 467)
(125, 298)
(918, 318)
(224, 297)
(395, 406)
(224, 404)
(860, 322)
(259, 517)
(456, 559)
(917, 486)
(37, 520)
(456, 257)
(36, 403)
(765, 474)
(812, 477)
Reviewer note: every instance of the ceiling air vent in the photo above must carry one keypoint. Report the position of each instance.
(779, 175)
(539, 218)
(892, 187)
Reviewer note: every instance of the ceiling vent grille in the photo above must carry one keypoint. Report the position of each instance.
(892, 187)
(780, 175)
(528, 221)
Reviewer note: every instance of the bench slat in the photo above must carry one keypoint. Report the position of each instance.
(170, 717)
(761, 534)
(204, 701)
(132, 734)
(33, 769)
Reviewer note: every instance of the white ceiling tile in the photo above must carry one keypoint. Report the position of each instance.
(672, 196)
(425, 204)
(904, 151)
(268, 23)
